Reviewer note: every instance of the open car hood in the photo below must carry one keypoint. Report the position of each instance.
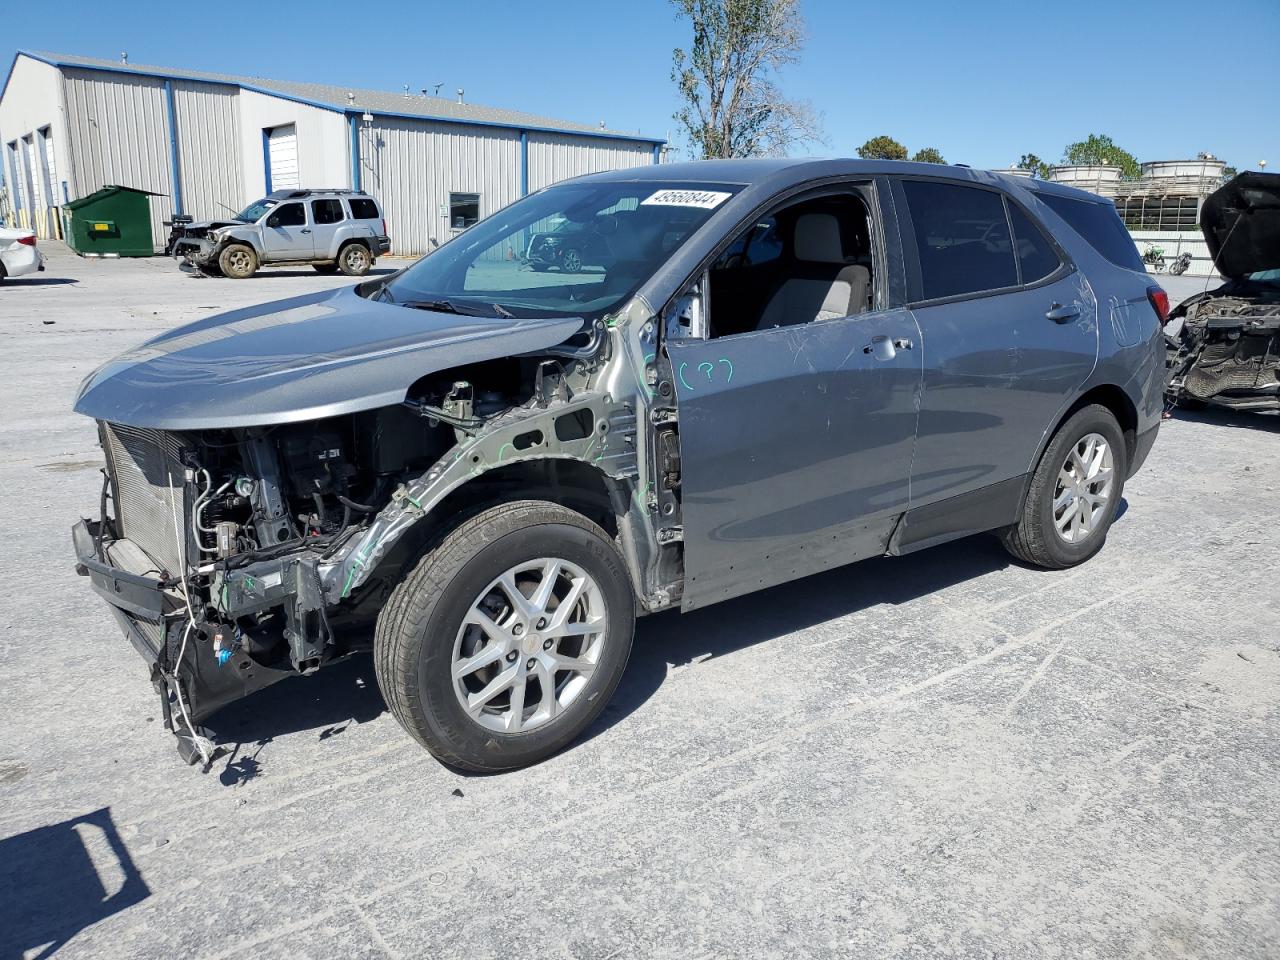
(1241, 224)
(314, 356)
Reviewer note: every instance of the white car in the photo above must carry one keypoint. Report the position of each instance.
(18, 253)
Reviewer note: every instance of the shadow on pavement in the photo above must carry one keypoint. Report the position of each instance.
(1221, 417)
(52, 886)
(29, 281)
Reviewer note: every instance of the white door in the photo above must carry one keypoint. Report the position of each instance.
(282, 154)
(51, 169)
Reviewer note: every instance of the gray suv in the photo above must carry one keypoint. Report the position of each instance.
(483, 473)
(330, 229)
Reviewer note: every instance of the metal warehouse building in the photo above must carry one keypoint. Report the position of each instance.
(210, 142)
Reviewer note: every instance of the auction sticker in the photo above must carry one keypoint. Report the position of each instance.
(704, 199)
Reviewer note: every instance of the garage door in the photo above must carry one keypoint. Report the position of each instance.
(282, 154)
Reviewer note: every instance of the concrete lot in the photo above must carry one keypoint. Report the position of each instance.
(940, 755)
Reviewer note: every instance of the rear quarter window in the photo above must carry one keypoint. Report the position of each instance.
(363, 209)
(1100, 225)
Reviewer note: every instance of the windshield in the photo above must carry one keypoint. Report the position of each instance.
(253, 211)
(578, 248)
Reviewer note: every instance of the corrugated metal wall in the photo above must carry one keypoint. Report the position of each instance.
(554, 157)
(208, 122)
(119, 134)
(412, 166)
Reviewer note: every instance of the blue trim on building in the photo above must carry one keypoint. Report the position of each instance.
(266, 156)
(175, 168)
(353, 123)
(524, 163)
(657, 153)
(333, 108)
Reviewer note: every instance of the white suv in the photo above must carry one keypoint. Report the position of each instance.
(330, 229)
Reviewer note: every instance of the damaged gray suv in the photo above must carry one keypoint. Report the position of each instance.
(484, 472)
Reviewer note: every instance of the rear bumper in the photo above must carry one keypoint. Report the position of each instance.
(384, 245)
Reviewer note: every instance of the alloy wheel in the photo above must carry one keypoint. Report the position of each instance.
(528, 645)
(1086, 483)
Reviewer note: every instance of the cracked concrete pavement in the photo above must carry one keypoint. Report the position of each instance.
(946, 754)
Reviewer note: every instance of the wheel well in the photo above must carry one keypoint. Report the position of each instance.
(570, 483)
(1121, 407)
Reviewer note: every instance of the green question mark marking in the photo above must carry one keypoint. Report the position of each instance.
(706, 368)
(728, 379)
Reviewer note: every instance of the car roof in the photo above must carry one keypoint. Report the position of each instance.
(783, 171)
(301, 194)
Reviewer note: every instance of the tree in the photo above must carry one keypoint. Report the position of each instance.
(1101, 150)
(928, 155)
(882, 148)
(1229, 172)
(732, 106)
(1038, 167)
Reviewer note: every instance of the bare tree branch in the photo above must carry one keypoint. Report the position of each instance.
(732, 106)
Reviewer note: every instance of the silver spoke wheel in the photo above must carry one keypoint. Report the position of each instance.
(1086, 483)
(529, 644)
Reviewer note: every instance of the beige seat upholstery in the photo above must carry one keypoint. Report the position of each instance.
(828, 287)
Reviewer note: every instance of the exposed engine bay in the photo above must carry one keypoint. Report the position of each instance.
(1225, 350)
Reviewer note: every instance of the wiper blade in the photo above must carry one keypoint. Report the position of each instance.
(448, 306)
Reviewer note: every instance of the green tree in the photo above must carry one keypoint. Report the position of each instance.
(882, 148)
(928, 155)
(1229, 172)
(1033, 163)
(1101, 150)
(731, 104)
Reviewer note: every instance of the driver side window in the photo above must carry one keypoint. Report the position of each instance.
(288, 215)
(808, 261)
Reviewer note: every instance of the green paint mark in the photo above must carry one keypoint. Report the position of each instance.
(650, 357)
(680, 374)
(728, 379)
(706, 367)
(502, 451)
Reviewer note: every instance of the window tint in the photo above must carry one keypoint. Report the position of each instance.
(1100, 225)
(754, 247)
(962, 238)
(464, 210)
(327, 211)
(288, 215)
(362, 208)
(1036, 256)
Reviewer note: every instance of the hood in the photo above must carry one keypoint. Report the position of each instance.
(309, 357)
(1241, 224)
(206, 225)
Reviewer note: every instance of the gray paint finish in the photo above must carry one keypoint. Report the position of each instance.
(314, 356)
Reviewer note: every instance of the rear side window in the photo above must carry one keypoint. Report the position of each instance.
(1100, 225)
(362, 208)
(327, 211)
(1036, 256)
(288, 215)
(962, 238)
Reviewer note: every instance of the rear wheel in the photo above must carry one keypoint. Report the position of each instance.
(355, 260)
(1074, 493)
(508, 638)
(238, 261)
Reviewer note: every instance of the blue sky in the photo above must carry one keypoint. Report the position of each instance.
(983, 81)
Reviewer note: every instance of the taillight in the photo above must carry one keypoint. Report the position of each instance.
(1159, 302)
(384, 226)
(28, 241)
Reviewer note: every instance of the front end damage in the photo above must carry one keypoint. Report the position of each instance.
(1224, 345)
(234, 557)
(1226, 349)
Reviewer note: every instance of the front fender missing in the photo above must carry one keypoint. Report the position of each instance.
(592, 428)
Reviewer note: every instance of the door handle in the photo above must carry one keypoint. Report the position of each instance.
(1061, 314)
(885, 349)
(305, 230)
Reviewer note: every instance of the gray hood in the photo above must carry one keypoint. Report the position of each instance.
(305, 358)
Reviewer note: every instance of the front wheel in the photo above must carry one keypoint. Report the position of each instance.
(238, 261)
(355, 260)
(508, 638)
(571, 262)
(1074, 493)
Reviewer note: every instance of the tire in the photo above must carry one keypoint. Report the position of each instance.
(355, 260)
(238, 261)
(325, 267)
(571, 262)
(1036, 537)
(423, 633)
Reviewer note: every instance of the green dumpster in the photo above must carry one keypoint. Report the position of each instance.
(112, 222)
